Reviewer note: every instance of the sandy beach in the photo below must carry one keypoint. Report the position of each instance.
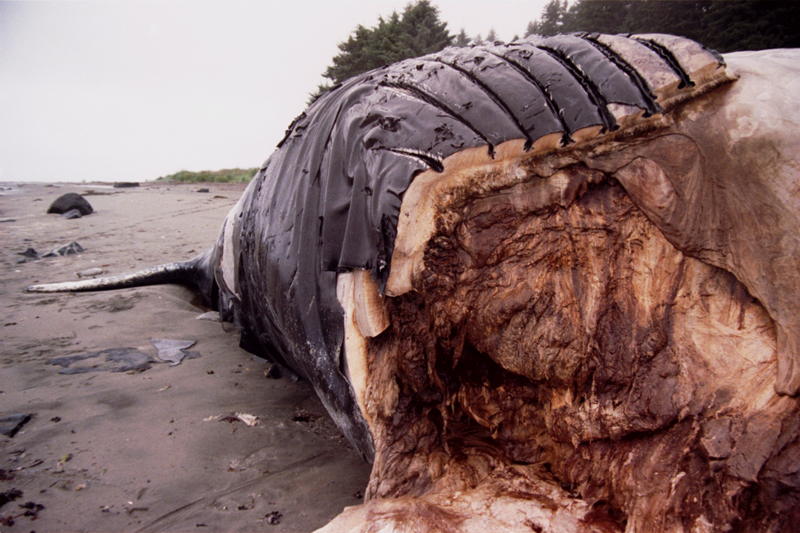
(160, 449)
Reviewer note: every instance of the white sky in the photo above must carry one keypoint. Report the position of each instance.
(133, 90)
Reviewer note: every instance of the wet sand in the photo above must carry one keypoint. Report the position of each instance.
(159, 449)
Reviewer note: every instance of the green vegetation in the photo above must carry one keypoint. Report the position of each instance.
(724, 25)
(227, 175)
(417, 32)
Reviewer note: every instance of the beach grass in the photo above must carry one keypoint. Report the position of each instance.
(226, 175)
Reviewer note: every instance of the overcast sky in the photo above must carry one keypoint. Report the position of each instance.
(133, 90)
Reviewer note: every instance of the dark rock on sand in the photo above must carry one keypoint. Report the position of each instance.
(67, 249)
(70, 201)
(9, 425)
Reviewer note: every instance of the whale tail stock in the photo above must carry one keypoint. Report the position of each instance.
(197, 274)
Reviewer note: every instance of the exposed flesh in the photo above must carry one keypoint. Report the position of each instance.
(555, 363)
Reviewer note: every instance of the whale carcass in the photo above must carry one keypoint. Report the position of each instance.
(551, 285)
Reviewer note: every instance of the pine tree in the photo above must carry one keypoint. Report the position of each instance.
(552, 19)
(462, 39)
(417, 32)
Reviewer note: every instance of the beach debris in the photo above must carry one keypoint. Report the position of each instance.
(250, 420)
(68, 202)
(30, 509)
(7, 220)
(30, 253)
(11, 424)
(89, 272)
(109, 360)
(125, 184)
(236, 466)
(211, 315)
(67, 249)
(273, 518)
(171, 351)
(61, 462)
(203, 189)
(10, 496)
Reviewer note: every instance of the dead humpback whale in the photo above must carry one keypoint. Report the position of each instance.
(548, 284)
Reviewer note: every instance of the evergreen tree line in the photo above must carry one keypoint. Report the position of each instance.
(417, 32)
(724, 25)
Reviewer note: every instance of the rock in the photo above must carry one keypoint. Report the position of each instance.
(69, 201)
(9, 425)
(67, 249)
(30, 253)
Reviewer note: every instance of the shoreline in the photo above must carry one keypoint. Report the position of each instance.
(160, 449)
